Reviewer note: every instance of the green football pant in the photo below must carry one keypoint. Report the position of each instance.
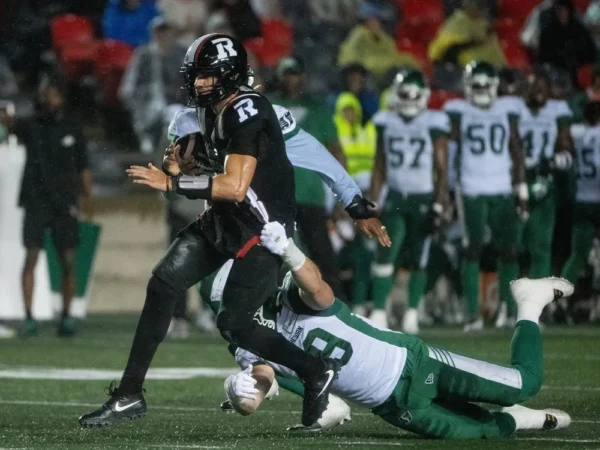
(437, 403)
(537, 236)
(358, 255)
(500, 214)
(404, 216)
(585, 226)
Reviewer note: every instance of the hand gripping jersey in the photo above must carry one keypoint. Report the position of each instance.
(539, 130)
(302, 149)
(587, 145)
(484, 161)
(372, 359)
(408, 148)
(247, 125)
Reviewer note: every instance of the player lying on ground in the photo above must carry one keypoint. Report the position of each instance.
(407, 383)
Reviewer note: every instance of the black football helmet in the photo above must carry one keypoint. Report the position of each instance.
(219, 56)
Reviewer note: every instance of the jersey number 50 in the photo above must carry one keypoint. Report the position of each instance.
(320, 342)
(478, 141)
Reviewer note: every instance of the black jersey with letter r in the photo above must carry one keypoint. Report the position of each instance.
(248, 125)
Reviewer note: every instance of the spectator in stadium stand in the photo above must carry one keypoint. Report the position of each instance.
(313, 116)
(56, 188)
(564, 41)
(591, 94)
(591, 19)
(536, 20)
(185, 17)
(368, 44)
(127, 21)
(151, 82)
(354, 80)
(8, 82)
(467, 36)
(218, 22)
(244, 21)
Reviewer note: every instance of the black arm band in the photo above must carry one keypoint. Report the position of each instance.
(193, 186)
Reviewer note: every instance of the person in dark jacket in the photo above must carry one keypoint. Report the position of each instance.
(565, 42)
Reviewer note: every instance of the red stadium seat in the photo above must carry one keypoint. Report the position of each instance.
(112, 58)
(584, 76)
(508, 28)
(516, 55)
(516, 9)
(440, 97)
(415, 48)
(78, 59)
(581, 5)
(275, 43)
(418, 29)
(425, 10)
(69, 29)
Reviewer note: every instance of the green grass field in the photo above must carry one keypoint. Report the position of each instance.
(184, 413)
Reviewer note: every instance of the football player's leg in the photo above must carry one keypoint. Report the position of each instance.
(538, 240)
(582, 239)
(251, 282)
(476, 214)
(506, 228)
(383, 268)
(360, 257)
(453, 420)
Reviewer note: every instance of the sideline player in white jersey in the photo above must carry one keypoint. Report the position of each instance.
(544, 129)
(491, 168)
(586, 221)
(303, 150)
(412, 144)
(407, 383)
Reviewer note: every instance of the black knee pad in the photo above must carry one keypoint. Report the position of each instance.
(157, 288)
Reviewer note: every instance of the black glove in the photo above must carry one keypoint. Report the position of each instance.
(361, 208)
(434, 219)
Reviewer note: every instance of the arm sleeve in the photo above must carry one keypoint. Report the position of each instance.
(304, 151)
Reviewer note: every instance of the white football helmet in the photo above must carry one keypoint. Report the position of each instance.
(481, 84)
(409, 93)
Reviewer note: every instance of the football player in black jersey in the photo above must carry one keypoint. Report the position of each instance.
(249, 182)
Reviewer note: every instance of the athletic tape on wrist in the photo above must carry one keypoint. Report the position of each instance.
(522, 191)
(293, 256)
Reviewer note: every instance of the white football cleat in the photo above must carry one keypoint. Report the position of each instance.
(410, 321)
(379, 318)
(502, 316)
(360, 310)
(474, 326)
(532, 296)
(7, 333)
(337, 413)
(538, 419)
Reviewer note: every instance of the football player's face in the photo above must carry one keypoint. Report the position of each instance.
(539, 91)
(52, 99)
(204, 84)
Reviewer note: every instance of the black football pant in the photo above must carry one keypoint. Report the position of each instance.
(311, 221)
(252, 280)
(176, 223)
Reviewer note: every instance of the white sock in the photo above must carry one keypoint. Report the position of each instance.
(529, 311)
(528, 419)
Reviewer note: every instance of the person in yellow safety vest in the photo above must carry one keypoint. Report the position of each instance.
(358, 143)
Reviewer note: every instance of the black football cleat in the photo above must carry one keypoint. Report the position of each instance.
(119, 407)
(316, 392)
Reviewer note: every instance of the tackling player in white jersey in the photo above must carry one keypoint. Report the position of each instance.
(407, 383)
(491, 168)
(412, 144)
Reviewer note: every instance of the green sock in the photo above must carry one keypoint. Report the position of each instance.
(505, 422)
(470, 281)
(416, 287)
(381, 289)
(540, 266)
(291, 384)
(572, 268)
(527, 357)
(507, 271)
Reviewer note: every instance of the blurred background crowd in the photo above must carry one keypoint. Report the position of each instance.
(116, 65)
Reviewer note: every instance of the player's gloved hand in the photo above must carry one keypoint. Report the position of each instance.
(241, 385)
(361, 208)
(274, 238)
(563, 160)
(539, 189)
(435, 218)
(522, 193)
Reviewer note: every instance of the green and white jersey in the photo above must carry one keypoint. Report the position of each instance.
(372, 359)
(539, 130)
(484, 162)
(587, 145)
(409, 148)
